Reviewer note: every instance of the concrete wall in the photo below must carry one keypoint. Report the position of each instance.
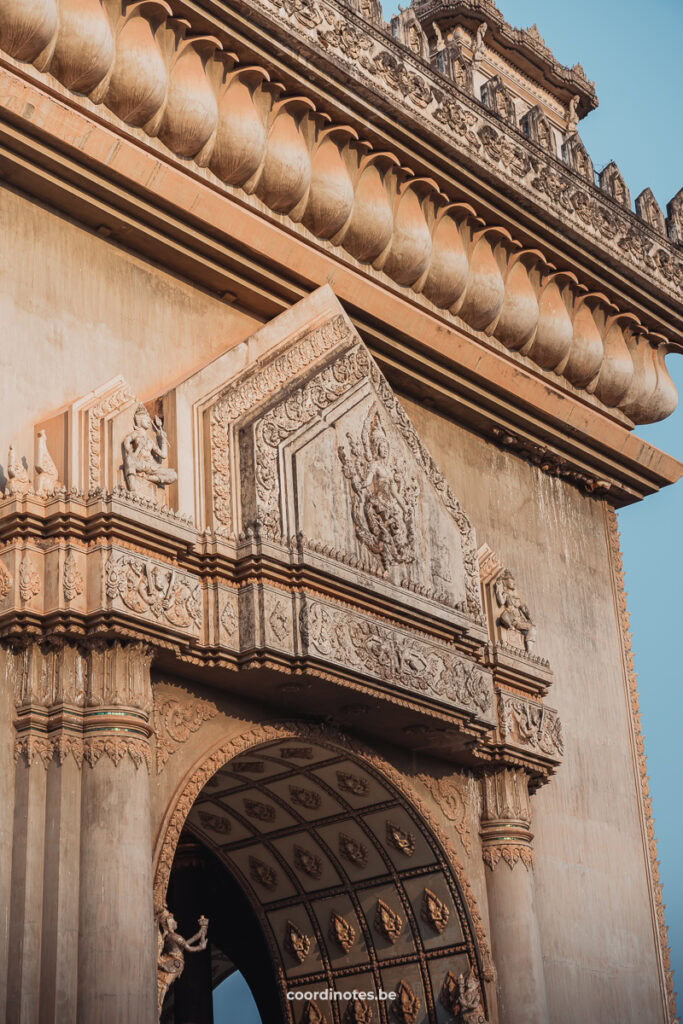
(591, 883)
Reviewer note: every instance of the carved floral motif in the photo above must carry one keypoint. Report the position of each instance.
(400, 839)
(308, 862)
(388, 922)
(350, 783)
(175, 719)
(452, 803)
(257, 809)
(434, 911)
(308, 798)
(29, 580)
(297, 942)
(73, 580)
(341, 931)
(262, 873)
(5, 581)
(353, 851)
(215, 822)
(407, 1004)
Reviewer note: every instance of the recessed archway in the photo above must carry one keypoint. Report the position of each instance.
(351, 886)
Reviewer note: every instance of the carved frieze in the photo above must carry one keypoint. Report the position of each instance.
(423, 666)
(154, 590)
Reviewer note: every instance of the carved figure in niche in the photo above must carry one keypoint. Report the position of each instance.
(479, 50)
(172, 948)
(514, 616)
(573, 115)
(17, 474)
(383, 502)
(143, 454)
(414, 41)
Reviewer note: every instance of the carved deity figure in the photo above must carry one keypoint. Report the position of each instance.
(171, 950)
(471, 1007)
(383, 502)
(143, 453)
(573, 115)
(514, 615)
(479, 51)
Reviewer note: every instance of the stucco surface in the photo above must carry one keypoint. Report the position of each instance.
(77, 310)
(591, 889)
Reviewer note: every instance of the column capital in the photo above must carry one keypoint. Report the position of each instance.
(83, 700)
(505, 825)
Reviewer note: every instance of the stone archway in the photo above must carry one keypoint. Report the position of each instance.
(353, 884)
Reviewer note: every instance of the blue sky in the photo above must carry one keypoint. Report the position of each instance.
(632, 51)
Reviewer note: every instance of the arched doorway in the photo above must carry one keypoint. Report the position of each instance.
(334, 884)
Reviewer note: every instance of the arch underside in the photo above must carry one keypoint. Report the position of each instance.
(352, 888)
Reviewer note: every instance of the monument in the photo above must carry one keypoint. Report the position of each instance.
(326, 350)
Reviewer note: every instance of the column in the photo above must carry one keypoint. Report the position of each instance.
(515, 940)
(7, 688)
(117, 939)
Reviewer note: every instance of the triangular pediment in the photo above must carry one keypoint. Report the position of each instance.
(309, 446)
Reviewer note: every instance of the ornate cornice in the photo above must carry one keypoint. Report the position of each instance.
(525, 41)
(641, 767)
(412, 253)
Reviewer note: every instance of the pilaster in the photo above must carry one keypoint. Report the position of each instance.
(81, 917)
(508, 853)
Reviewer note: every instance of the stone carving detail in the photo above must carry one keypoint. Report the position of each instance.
(297, 942)
(18, 479)
(515, 620)
(229, 619)
(307, 798)
(401, 840)
(359, 1012)
(312, 1015)
(46, 471)
(215, 823)
(73, 581)
(354, 784)
(530, 724)
(5, 581)
(29, 580)
(341, 932)
(90, 749)
(407, 1004)
(157, 590)
(109, 404)
(175, 719)
(463, 995)
(388, 922)
(301, 407)
(396, 657)
(384, 499)
(260, 811)
(251, 738)
(297, 753)
(279, 621)
(452, 804)
(143, 453)
(510, 853)
(434, 911)
(353, 851)
(172, 948)
(239, 397)
(308, 862)
(262, 873)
